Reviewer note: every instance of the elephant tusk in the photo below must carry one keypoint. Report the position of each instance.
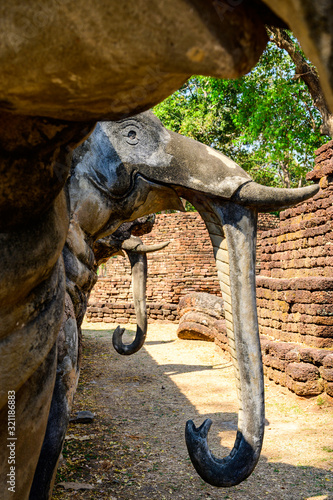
(152, 248)
(265, 199)
(134, 244)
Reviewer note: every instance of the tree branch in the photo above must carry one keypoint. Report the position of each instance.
(307, 72)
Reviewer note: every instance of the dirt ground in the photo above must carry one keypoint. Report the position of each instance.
(135, 448)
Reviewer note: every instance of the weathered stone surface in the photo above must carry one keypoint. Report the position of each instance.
(311, 283)
(293, 355)
(119, 60)
(308, 388)
(192, 330)
(302, 372)
(308, 355)
(281, 349)
(326, 373)
(221, 335)
(201, 317)
(328, 361)
(324, 164)
(279, 377)
(83, 417)
(113, 312)
(329, 388)
(274, 362)
(204, 302)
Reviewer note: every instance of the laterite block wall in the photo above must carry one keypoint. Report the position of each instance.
(186, 265)
(294, 283)
(295, 290)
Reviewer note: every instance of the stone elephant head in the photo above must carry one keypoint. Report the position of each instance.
(135, 166)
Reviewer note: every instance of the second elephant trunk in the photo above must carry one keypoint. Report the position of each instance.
(138, 262)
(136, 252)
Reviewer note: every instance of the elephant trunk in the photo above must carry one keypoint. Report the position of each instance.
(232, 230)
(136, 252)
(138, 262)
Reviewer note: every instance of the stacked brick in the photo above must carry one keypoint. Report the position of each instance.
(297, 310)
(186, 265)
(304, 370)
(201, 317)
(266, 222)
(123, 312)
(295, 289)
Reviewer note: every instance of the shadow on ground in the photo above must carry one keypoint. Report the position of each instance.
(135, 447)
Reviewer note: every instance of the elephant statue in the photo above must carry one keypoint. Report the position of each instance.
(69, 339)
(63, 69)
(110, 65)
(135, 166)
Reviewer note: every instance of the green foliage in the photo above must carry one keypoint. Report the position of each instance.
(265, 121)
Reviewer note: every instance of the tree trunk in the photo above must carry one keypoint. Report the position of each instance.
(285, 174)
(308, 73)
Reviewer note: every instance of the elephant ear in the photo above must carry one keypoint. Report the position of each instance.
(98, 161)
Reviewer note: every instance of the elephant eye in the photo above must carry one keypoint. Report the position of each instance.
(131, 134)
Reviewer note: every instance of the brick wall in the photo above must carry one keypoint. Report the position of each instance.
(295, 290)
(186, 265)
(294, 283)
(295, 286)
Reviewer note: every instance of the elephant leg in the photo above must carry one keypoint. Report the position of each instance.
(34, 162)
(62, 399)
(31, 411)
(29, 356)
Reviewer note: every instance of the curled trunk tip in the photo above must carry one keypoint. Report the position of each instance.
(128, 349)
(225, 472)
